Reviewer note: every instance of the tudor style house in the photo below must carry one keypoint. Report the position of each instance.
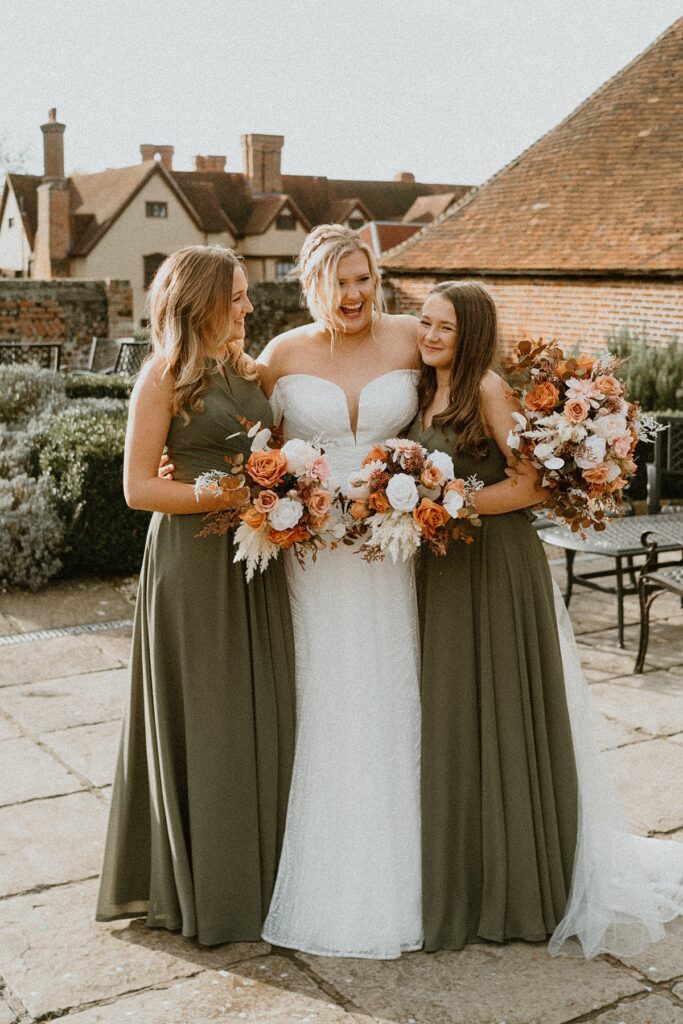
(122, 222)
(582, 234)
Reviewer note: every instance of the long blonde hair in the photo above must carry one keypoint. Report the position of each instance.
(317, 267)
(190, 301)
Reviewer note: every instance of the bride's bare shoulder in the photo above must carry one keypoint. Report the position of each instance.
(401, 332)
(285, 353)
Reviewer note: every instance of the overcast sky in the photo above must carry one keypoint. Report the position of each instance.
(448, 89)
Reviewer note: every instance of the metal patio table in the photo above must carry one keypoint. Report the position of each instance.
(620, 540)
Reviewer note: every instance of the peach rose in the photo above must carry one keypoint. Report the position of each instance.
(543, 397)
(318, 523)
(267, 467)
(455, 485)
(431, 476)
(629, 466)
(359, 510)
(266, 501)
(252, 517)
(622, 445)
(319, 503)
(576, 409)
(429, 517)
(378, 502)
(376, 454)
(597, 475)
(286, 538)
(608, 385)
(617, 485)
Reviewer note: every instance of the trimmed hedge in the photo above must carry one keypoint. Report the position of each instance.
(31, 533)
(27, 391)
(97, 385)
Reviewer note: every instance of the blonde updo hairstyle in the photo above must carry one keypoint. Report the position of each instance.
(190, 302)
(317, 268)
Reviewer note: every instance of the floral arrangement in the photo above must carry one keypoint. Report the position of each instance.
(280, 499)
(578, 428)
(404, 496)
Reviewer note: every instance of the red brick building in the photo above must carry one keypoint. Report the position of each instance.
(583, 233)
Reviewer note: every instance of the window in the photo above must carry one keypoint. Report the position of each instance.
(356, 221)
(152, 264)
(283, 268)
(156, 209)
(285, 221)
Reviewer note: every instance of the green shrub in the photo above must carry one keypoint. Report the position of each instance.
(31, 534)
(26, 391)
(81, 456)
(97, 385)
(653, 374)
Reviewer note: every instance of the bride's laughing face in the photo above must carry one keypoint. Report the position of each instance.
(356, 289)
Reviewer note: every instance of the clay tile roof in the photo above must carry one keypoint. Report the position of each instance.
(427, 208)
(383, 235)
(209, 191)
(97, 199)
(341, 209)
(25, 188)
(601, 192)
(382, 200)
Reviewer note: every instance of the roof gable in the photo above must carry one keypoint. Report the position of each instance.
(25, 188)
(600, 192)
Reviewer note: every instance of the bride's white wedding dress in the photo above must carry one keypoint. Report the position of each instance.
(349, 878)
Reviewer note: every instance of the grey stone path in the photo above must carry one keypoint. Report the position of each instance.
(60, 708)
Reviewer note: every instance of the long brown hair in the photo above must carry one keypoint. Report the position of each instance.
(190, 302)
(476, 351)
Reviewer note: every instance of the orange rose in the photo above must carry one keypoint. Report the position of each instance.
(608, 385)
(318, 523)
(376, 454)
(359, 510)
(378, 501)
(431, 476)
(319, 503)
(429, 517)
(597, 475)
(252, 517)
(617, 485)
(286, 538)
(585, 362)
(266, 501)
(267, 467)
(543, 397)
(576, 409)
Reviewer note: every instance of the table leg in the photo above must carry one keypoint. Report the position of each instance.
(569, 561)
(620, 600)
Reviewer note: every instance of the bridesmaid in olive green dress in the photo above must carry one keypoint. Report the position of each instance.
(499, 790)
(202, 781)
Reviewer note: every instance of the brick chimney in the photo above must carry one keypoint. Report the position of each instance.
(262, 160)
(51, 251)
(407, 177)
(164, 154)
(213, 164)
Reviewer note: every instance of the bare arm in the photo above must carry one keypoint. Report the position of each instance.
(497, 406)
(149, 418)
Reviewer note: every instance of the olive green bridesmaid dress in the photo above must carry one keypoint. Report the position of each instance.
(499, 790)
(202, 781)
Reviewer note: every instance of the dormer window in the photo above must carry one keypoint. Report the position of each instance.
(285, 221)
(356, 220)
(156, 209)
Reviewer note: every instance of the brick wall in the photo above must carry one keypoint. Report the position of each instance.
(67, 310)
(572, 310)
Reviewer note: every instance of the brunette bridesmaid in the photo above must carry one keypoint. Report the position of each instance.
(201, 788)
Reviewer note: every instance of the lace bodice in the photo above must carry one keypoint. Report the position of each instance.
(316, 407)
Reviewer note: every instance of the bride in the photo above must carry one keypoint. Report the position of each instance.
(349, 879)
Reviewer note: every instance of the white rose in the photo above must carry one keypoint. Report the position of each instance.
(610, 426)
(453, 502)
(402, 492)
(298, 454)
(356, 488)
(443, 462)
(595, 453)
(286, 514)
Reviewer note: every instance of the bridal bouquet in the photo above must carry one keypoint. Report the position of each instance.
(404, 496)
(578, 428)
(280, 498)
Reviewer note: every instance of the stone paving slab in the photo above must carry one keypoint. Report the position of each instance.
(678, 738)
(70, 701)
(27, 773)
(653, 1009)
(602, 663)
(662, 961)
(665, 648)
(89, 749)
(640, 772)
(47, 842)
(8, 731)
(481, 984)
(270, 991)
(644, 703)
(66, 603)
(7, 1016)
(610, 733)
(63, 656)
(55, 956)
